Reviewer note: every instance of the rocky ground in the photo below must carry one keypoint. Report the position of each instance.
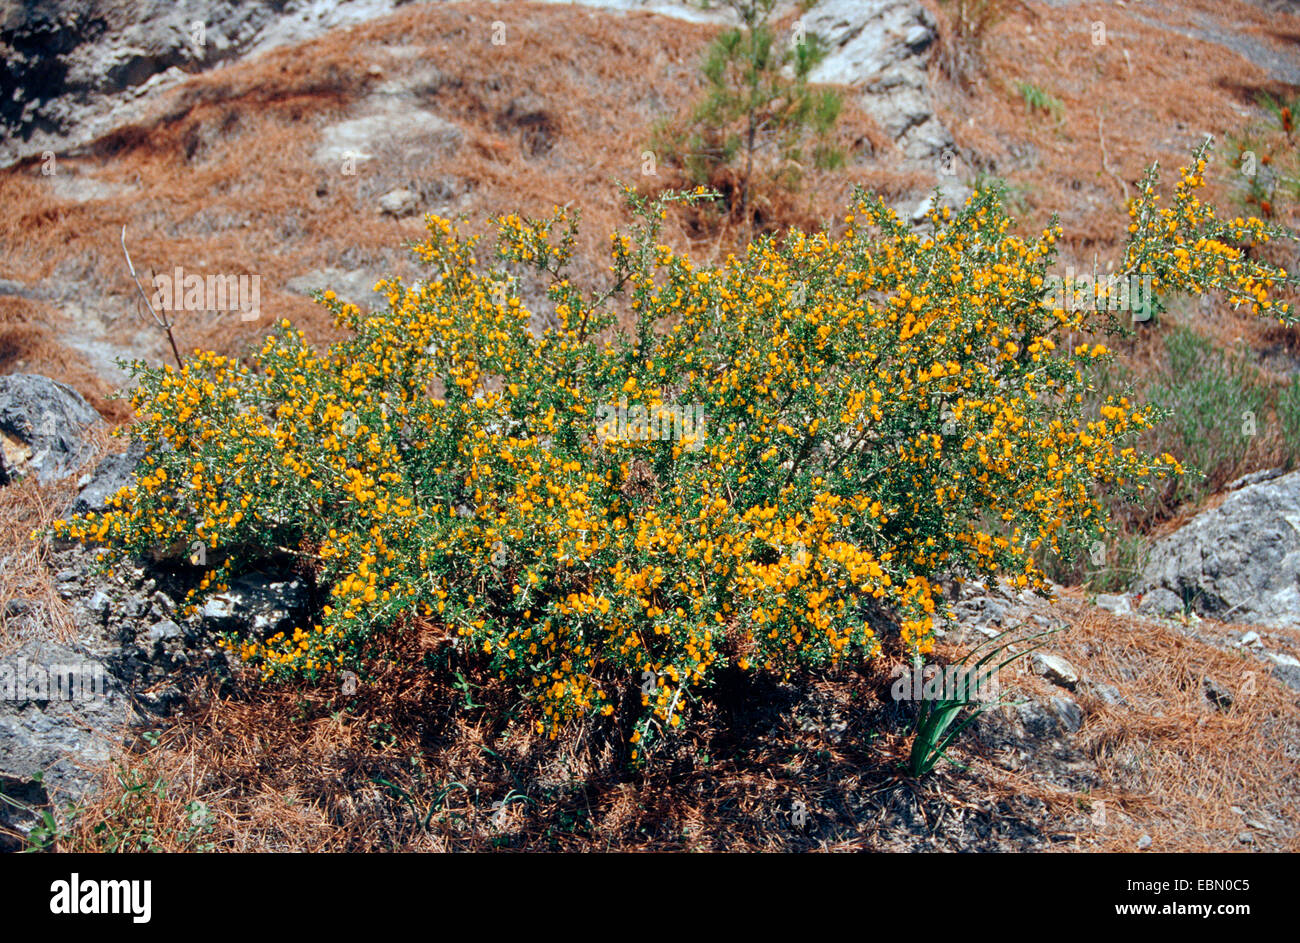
(1071, 739)
(232, 156)
(1163, 717)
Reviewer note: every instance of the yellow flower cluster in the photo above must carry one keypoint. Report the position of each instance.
(1184, 247)
(879, 408)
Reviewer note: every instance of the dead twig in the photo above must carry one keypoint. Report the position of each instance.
(158, 319)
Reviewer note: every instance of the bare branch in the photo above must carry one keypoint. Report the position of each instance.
(160, 321)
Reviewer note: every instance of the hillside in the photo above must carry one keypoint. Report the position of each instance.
(299, 147)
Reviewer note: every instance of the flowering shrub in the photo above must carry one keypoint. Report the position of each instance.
(776, 449)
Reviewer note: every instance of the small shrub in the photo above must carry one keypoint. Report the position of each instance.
(753, 110)
(1038, 100)
(782, 446)
(1215, 402)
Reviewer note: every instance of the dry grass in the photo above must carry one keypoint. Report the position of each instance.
(1174, 762)
(410, 764)
(29, 505)
(29, 344)
(1146, 95)
(221, 180)
(200, 191)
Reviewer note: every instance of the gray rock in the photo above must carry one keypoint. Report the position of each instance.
(61, 712)
(125, 620)
(1039, 721)
(1055, 669)
(1119, 605)
(1239, 561)
(919, 36)
(1109, 694)
(163, 605)
(1286, 669)
(164, 630)
(1067, 712)
(399, 203)
(69, 187)
(1160, 602)
(18, 289)
(17, 607)
(356, 286)
(387, 126)
(1144, 842)
(42, 428)
(950, 195)
(882, 48)
(1254, 478)
(72, 69)
(99, 604)
(256, 604)
(113, 473)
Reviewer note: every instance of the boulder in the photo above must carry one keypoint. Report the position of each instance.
(61, 713)
(42, 428)
(399, 203)
(1238, 562)
(1055, 669)
(881, 48)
